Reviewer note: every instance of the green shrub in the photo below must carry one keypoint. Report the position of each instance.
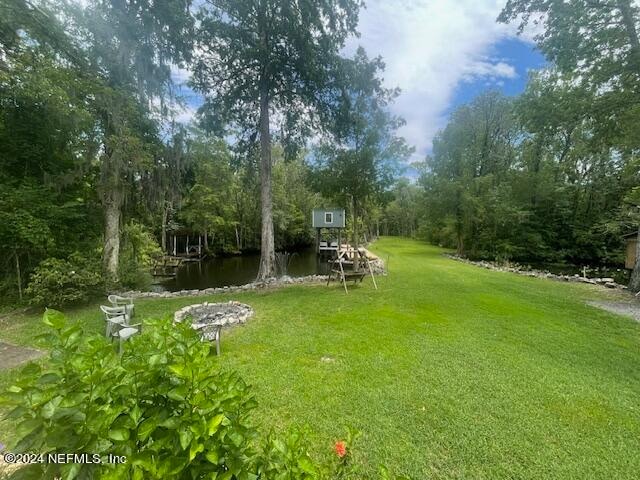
(164, 405)
(56, 283)
(138, 248)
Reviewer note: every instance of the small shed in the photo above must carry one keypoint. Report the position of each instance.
(631, 241)
(332, 219)
(328, 218)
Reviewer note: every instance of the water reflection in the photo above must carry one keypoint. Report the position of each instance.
(239, 270)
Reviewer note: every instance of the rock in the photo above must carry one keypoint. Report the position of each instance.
(519, 270)
(587, 280)
(208, 315)
(269, 283)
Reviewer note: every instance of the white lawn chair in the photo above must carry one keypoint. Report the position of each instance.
(118, 325)
(126, 302)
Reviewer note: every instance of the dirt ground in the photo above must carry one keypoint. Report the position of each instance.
(12, 355)
(627, 305)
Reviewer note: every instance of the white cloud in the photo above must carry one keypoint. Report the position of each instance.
(180, 76)
(185, 114)
(429, 47)
(483, 68)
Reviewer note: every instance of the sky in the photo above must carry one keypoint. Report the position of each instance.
(441, 53)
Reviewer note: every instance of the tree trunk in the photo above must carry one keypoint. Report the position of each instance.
(112, 199)
(111, 253)
(206, 239)
(634, 281)
(355, 240)
(165, 218)
(267, 247)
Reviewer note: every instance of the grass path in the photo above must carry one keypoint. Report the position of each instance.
(449, 370)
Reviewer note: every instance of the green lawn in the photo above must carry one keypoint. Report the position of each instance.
(449, 370)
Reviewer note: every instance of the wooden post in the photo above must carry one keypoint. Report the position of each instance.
(343, 278)
(356, 239)
(371, 272)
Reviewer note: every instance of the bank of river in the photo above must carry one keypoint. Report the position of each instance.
(619, 274)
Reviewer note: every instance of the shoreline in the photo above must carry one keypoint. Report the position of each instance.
(607, 282)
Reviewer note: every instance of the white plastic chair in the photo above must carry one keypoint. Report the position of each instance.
(126, 302)
(118, 325)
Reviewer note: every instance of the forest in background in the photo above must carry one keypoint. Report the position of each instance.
(551, 175)
(95, 172)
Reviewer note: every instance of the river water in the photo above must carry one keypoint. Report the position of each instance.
(239, 270)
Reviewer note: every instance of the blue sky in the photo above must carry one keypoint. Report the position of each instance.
(521, 55)
(441, 53)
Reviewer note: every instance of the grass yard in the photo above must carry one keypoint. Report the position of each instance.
(450, 371)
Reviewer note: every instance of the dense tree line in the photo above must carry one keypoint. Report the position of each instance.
(499, 186)
(96, 175)
(552, 175)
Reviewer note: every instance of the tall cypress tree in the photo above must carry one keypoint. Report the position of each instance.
(265, 60)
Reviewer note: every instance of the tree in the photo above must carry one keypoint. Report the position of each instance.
(47, 142)
(30, 25)
(208, 204)
(257, 58)
(364, 155)
(401, 214)
(633, 204)
(468, 200)
(130, 46)
(595, 45)
(293, 200)
(596, 42)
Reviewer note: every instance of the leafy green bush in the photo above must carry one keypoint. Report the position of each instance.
(56, 283)
(138, 248)
(164, 405)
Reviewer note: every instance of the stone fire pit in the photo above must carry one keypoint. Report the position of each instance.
(209, 318)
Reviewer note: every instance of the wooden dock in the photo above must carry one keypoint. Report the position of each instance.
(166, 266)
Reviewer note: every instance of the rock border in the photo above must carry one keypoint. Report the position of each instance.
(210, 330)
(265, 285)
(242, 312)
(520, 270)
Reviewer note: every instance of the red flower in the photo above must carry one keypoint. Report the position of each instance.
(341, 449)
